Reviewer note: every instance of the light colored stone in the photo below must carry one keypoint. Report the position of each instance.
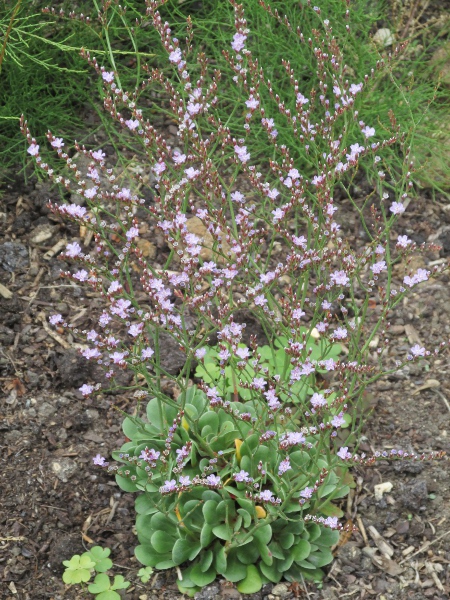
(383, 37)
(64, 469)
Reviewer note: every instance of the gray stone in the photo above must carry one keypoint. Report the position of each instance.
(13, 256)
(64, 469)
(46, 410)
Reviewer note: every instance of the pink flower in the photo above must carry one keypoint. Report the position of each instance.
(403, 241)
(339, 278)
(191, 173)
(86, 389)
(343, 453)
(108, 76)
(136, 329)
(252, 103)
(242, 476)
(178, 158)
(318, 400)
(339, 334)
(307, 493)
(132, 233)
(90, 193)
(397, 208)
(416, 350)
(147, 353)
(284, 466)
(238, 42)
(368, 132)
(73, 249)
(55, 319)
(132, 124)
(175, 56)
(98, 155)
(378, 267)
(242, 154)
(355, 88)
(33, 149)
(57, 143)
(100, 461)
(301, 99)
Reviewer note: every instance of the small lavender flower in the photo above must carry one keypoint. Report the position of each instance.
(343, 453)
(168, 487)
(55, 319)
(213, 481)
(242, 476)
(397, 208)
(100, 461)
(284, 466)
(149, 455)
(307, 492)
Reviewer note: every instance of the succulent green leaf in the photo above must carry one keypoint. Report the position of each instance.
(276, 550)
(263, 534)
(201, 578)
(328, 537)
(148, 556)
(223, 532)
(248, 554)
(162, 542)
(235, 569)
(252, 582)
(286, 540)
(210, 512)
(210, 419)
(182, 550)
(331, 510)
(320, 559)
(206, 535)
(245, 516)
(220, 559)
(206, 560)
(271, 572)
(108, 595)
(314, 530)
(301, 550)
(126, 484)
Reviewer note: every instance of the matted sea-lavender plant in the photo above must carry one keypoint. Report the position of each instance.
(239, 472)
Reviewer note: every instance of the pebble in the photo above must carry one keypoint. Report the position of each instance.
(281, 590)
(64, 469)
(46, 410)
(13, 256)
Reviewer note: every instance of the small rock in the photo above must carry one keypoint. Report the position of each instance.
(13, 256)
(281, 590)
(64, 469)
(147, 248)
(208, 592)
(46, 410)
(383, 37)
(415, 495)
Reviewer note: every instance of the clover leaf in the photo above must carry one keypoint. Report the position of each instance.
(100, 557)
(78, 569)
(104, 589)
(145, 573)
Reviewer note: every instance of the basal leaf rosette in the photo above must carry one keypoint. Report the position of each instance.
(224, 499)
